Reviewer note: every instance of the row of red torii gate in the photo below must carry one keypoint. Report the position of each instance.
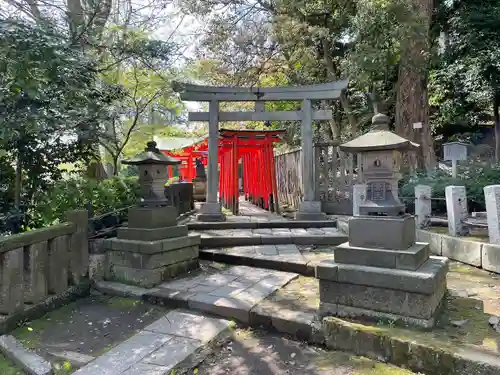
(224, 150)
(244, 155)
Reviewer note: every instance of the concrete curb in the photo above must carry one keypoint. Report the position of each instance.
(407, 352)
(228, 241)
(338, 334)
(30, 362)
(306, 268)
(263, 225)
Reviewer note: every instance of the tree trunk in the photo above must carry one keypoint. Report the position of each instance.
(412, 101)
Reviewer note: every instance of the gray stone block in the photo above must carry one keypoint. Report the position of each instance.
(462, 250)
(125, 355)
(148, 218)
(119, 289)
(151, 247)
(175, 352)
(327, 270)
(490, 257)
(415, 305)
(149, 278)
(226, 307)
(151, 261)
(426, 280)
(30, 362)
(211, 217)
(410, 259)
(189, 324)
(433, 239)
(328, 309)
(148, 369)
(382, 232)
(319, 240)
(154, 234)
(168, 297)
(76, 359)
(266, 250)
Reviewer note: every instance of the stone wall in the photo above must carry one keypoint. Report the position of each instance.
(43, 263)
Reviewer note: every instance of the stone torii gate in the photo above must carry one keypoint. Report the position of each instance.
(309, 209)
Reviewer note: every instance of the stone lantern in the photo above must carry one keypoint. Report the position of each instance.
(153, 174)
(382, 272)
(153, 247)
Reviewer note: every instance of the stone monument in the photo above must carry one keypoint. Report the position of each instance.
(200, 182)
(381, 272)
(153, 247)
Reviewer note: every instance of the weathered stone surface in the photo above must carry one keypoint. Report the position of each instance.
(12, 283)
(151, 247)
(158, 217)
(410, 259)
(151, 277)
(226, 307)
(462, 250)
(121, 290)
(77, 360)
(151, 261)
(433, 239)
(37, 282)
(176, 351)
(327, 270)
(189, 324)
(416, 305)
(371, 232)
(97, 266)
(425, 280)
(154, 234)
(148, 369)
(125, 355)
(30, 362)
(168, 297)
(490, 257)
(58, 264)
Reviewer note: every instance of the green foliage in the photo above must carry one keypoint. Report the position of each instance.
(76, 193)
(473, 177)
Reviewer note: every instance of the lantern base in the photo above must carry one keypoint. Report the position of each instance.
(211, 212)
(310, 211)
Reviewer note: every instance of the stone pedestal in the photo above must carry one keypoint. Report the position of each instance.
(200, 188)
(211, 212)
(492, 200)
(310, 210)
(153, 248)
(382, 273)
(423, 207)
(456, 210)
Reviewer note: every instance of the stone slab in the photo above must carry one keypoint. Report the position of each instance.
(211, 217)
(154, 234)
(151, 247)
(414, 305)
(151, 261)
(283, 238)
(76, 359)
(426, 280)
(148, 218)
(168, 297)
(147, 369)
(30, 362)
(189, 324)
(462, 250)
(149, 278)
(119, 289)
(226, 307)
(490, 257)
(433, 239)
(372, 232)
(409, 259)
(175, 352)
(310, 216)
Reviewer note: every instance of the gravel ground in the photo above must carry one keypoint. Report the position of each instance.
(260, 353)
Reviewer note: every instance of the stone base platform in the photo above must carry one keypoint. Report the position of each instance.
(383, 293)
(148, 263)
(215, 217)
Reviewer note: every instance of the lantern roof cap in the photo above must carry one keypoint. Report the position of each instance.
(379, 138)
(151, 155)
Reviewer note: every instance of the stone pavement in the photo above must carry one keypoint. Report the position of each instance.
(231, 293)
(175, 340)
(287, 257)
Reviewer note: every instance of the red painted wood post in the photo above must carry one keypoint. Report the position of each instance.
(236, 187)
(274, 182)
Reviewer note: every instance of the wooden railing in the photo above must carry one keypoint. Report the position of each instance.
(43, 262)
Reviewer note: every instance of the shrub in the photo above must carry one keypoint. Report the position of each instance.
(75, 193)
(473, 177)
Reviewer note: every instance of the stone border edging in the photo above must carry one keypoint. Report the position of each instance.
(262, 224)
(478, 254)
(228, 241)
(11, 322)
(30, 362)
(306, 268)
(336, 334)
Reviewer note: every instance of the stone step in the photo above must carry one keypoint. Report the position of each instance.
(267, 236)
(262, 224)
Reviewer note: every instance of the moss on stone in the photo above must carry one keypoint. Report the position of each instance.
(123, 302)
(8, 368)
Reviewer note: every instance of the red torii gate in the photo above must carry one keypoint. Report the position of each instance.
(255, 149)
(187, 156)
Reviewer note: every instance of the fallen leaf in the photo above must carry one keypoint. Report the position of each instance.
(195, 371)
(30, 329)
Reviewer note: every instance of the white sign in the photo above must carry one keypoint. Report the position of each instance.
(455, 151)
(417, 125)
